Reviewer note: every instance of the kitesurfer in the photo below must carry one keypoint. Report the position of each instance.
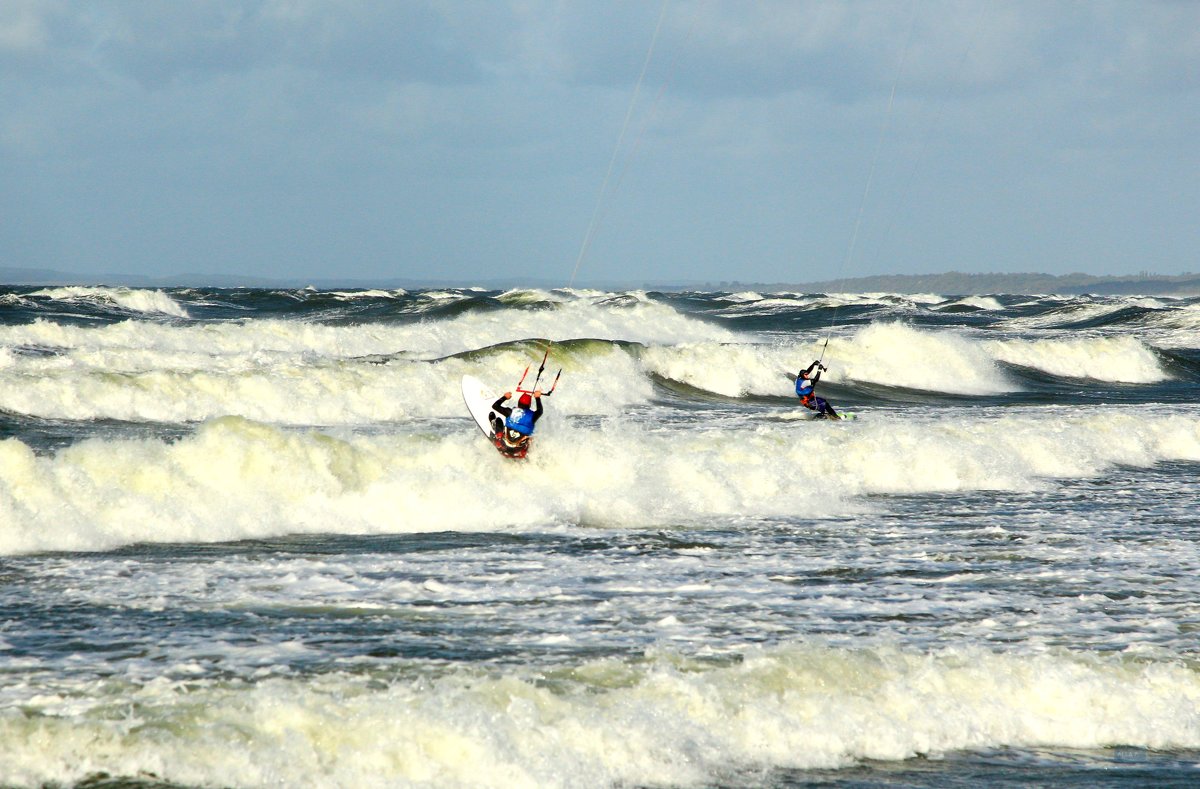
(518, 422)
(805, 390)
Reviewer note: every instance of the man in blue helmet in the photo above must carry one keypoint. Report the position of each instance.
(805, 390)
(518, 422)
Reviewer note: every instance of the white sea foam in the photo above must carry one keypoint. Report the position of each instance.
(528, 295)
(307, 373)
(727, 370)
(906, 301)
(1176, 327)
(1124, 359)
(14, 300)
(137, 300)
(891, 354)
(989, 303)
(352, 295)
(235, 479)
(661, 721)
(1073, 310)
(769, 305)
(924, 298)
(643, 321)
(895, 354)
(304, 373)
(179, 385)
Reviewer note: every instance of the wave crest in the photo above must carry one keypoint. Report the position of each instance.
(237, 479)
(135, 300)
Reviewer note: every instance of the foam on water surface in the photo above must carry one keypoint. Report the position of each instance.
(235, 479)
(666, 720)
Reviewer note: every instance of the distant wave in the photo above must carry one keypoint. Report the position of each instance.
(135, 300)
(375, 359)
(890, 354)
(353, 295)
(639, 321)
(974, 302)
(1122, 359)
(295, 372)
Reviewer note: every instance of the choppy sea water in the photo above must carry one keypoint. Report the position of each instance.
(252, 538)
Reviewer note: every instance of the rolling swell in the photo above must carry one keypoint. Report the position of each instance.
(1119, 317)
(235, 479)
(1183, 366)
(311, 358)
(576, 350)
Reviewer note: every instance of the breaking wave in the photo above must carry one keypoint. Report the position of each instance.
(664, 720)
(133, 300)
(236, 479)
(295, 372)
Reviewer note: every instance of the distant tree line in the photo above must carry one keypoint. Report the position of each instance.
(958, 283)
(952, 283)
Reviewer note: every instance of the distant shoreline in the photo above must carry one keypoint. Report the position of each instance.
(956, 283)
(953, 283)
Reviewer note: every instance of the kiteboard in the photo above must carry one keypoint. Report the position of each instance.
(805, 415)
(841, 417)
(479, 401)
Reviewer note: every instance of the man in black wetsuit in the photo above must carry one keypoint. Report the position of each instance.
(805, 390)
(519, 422)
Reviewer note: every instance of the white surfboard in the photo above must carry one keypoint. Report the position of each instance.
(479, 401)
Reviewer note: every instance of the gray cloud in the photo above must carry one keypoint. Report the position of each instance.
(284, 136)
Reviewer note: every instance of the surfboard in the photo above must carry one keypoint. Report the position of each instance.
(479, 399)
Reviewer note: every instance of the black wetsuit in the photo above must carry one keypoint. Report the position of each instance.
(535, 412)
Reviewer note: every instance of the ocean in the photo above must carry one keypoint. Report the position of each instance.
(252, 538)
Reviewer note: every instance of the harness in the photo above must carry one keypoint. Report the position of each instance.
(804, 387)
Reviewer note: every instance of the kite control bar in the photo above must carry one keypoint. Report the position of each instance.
(538, 377)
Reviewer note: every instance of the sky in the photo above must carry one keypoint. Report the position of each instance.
(574, 142)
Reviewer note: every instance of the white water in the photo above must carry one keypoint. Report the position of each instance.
(666, 721)
(1121, 359)
(301, 373)
(234, 479)
(978, 302)
(412, 609)
(135, 300)
(643, 322)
